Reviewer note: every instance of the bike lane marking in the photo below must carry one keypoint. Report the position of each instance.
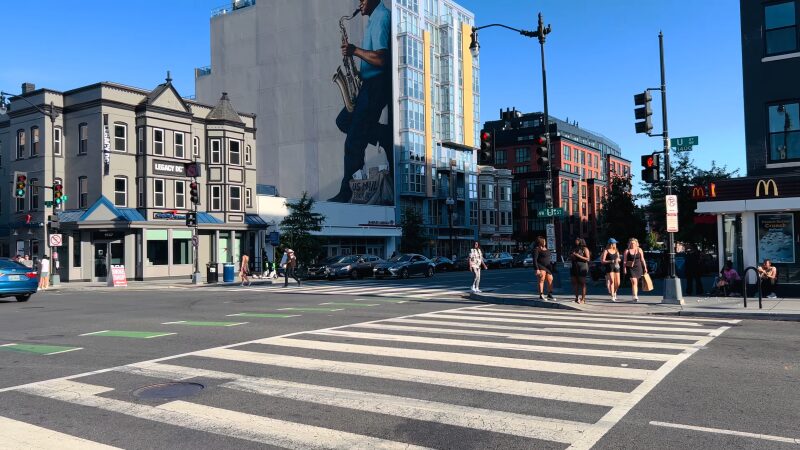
(38, 349)
(263, 315)
(128, 334)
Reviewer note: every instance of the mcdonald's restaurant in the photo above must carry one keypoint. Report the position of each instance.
(757, 219)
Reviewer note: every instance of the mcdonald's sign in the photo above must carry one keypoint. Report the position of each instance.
(766, 185)
(698, 193)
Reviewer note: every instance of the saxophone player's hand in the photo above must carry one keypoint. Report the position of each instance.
(348, 50)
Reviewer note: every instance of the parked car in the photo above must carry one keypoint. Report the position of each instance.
(499, 259)
(17, 280)
(405, 265)
(523, 260)
(658, 264)
(350, 266)
(442, 264)
(518, 260)
(461, 263)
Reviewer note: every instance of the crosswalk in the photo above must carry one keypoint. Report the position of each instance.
(473, 377)
(358, 288)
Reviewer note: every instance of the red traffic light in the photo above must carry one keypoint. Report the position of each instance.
(649, 162)
(21, 178)
(485, 136)
(541, 140)
(192, 185)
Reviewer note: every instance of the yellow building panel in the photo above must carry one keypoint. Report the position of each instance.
(469, 98)
(426, 64)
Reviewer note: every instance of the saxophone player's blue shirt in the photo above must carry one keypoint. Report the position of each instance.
(376, 37)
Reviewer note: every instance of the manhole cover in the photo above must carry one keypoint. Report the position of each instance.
(168, 390)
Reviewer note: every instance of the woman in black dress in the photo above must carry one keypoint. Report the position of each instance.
(634, 266)
(580, 257)
(541, 259)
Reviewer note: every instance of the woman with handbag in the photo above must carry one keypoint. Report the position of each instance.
(634, 265)
(580, 257)
(476, 262)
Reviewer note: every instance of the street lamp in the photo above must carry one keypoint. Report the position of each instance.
(53, 115)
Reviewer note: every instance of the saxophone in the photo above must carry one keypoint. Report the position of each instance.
(347, 79)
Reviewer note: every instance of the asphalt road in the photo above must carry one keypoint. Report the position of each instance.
(384, 365)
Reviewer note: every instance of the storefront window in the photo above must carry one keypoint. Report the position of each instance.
(157, 247)
(732, 240)
(181, 247)
(76, 250)
(777, 240)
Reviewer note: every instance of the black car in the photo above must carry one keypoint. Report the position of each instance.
(405, 265)
(499, 259)
(461, 263)
(350, 266)
(442, 264)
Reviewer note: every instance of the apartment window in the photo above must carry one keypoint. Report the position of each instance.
(57, 142)
(247, 154)
(120, 137)
(140, 140)
(567, 151)
(234, 153)
(180, 194)
(83, 138)
(784, 132)
(179, 153)
(33, 187)
(20, 144)
(523, 155)
(158, 193)
(235, 193)
(83, 192)
(780, 28)
(216, 198)
(487, 191)
(500, 157)
(567, 168)
(248, 197)
(120, 191)
(158, 141)
(34, 141)
(216, 151)
(139, 192)
(196, 146)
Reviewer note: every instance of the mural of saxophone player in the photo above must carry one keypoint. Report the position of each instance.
(362, 125)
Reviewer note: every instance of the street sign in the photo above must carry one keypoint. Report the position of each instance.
(55, 240)
(672, 213)
(551, 212)
(684, 143)
(195, 241)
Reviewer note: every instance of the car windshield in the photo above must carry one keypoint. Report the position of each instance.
(349, 259)
(330, 260)
(401, 258)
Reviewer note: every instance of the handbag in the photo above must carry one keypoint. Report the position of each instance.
(647, 283)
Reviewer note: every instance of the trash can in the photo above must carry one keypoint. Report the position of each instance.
(212, 273)
(228, 273)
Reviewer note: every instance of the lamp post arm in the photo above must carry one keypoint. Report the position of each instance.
(522, 32)
(52, 114)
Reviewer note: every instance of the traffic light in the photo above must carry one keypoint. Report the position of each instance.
(543, 152)
(191, 219)
(486, 155)
(55, 222)
(643, 112)
(21, 186)
(58, 193)
(194, 193)
(650, 172)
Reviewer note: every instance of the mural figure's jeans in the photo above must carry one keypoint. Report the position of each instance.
(362, 129)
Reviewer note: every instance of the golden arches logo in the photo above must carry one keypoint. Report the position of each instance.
(766, 184)
(698, 192)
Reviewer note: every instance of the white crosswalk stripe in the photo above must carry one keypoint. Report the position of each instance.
(361, 287)
(498, 371)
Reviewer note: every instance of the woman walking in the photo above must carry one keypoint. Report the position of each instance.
(289, 263)
(476, 262)
(244, 270)
(580, 257)
(611, 261)
(541, 258)
(635, 265)
(44, 273)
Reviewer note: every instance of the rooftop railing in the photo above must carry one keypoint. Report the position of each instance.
(232, 6)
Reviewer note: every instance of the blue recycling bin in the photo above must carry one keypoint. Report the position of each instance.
(228, 273)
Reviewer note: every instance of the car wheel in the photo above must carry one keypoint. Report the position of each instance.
(23, 298)
(404, 274)
(429, 273)
(354, 275)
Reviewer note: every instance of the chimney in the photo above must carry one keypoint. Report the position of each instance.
(28, 87)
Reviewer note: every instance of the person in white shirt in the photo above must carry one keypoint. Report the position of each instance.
(476, 262)
(44, 273)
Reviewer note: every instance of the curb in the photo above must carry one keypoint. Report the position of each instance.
(788, 317)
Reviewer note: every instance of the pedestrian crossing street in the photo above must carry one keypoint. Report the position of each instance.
(484, 376)
(361, 288)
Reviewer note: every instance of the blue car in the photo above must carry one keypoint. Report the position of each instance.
(17, 280)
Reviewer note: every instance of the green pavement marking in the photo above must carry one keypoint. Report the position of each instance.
(385, 300)
(204, 324)
(128, 334)
(264, 315)
(357, 305)
(45, 350)
(311, 309)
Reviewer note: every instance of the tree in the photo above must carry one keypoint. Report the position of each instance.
(413, 240)
(619, 217)
(685, 176)
(297, 226)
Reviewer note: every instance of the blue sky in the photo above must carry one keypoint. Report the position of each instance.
(599, 54)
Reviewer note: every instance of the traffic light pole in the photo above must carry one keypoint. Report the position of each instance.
(196, 277)
(672, 284)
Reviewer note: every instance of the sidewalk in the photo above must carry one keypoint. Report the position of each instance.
(151, 285)
(649, 303)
